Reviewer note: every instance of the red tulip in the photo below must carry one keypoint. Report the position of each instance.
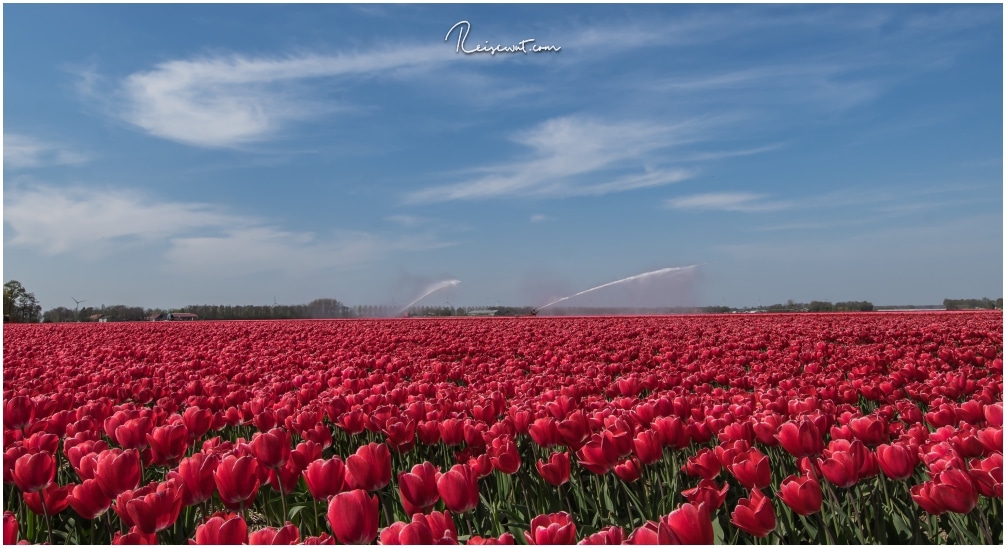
(801, 493)
(222, 528)
(42, 441)
(988, 475)
(800, 439)
(237, 480)
(452, 432)
(686, 525)
(168, 443)
(132, 434)
(628, 470)
(54, 497)
(288, 534)
(551, 529)
(9, 525)
(195, 476)
(556, 471)
(325, 478)
(505, 539)
(955, 491)
(871, 430)
(754, 515)
(34, 472)
(117, 471)
(647, 447)
(285, 478)
(158, 510)
(672, 432)
(271, 448)
(353, 516)
(648, 533)
(752, 469)
(840, 469)
(708, 493)
(608, 536)
(88, 500)
(503, 455)
(418, 488)
(435, 528)
(459, 488)
(197, 422)
(704, 465)
(18, 412)
(134, 537)
(898, 461)
(370, 467)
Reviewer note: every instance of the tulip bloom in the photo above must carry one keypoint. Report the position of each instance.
(288, 534)
(195, 475)
(752, 469)
(800, 439)
(134, 537)
(647, 447)
(551, 529)
(435, 528)
(325, 478)
(168, 443)
(88, 500)
(503, 455)
(158, 510)
(840, 469)
(708, 493)
(988, 475)
(628, 470)
(9, 527)
(117, 471)
(222, 528)
(271, 448)
(237, 480)
(459, 488)
(370, 467)
(418, 488)
(34, 472)
(608, 536)
(54, 498)
(754, 515)
(353, 516)
(556, 471)
(898, 461)
(801, 493)
(704, 465)
(686, 525)
(506, 539)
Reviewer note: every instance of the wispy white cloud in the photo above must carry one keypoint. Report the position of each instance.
(539, 218)
(576, 156)
(269, 249)
(727, 201)
(225, 101)
(196, 236)
(22, 151)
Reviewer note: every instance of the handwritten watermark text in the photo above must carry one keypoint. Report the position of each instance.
(525, 46)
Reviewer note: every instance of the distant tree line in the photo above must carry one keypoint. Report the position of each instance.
(971, 304)
(19, 305)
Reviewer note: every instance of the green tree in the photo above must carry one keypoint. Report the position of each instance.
(19, 305)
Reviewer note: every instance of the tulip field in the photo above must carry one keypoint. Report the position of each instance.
(734, 429)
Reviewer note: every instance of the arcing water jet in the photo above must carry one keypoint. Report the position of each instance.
(430, 289)
(623, 280)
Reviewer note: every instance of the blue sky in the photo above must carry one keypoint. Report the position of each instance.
(236, 154)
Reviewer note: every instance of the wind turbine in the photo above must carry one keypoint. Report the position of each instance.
(76, 305)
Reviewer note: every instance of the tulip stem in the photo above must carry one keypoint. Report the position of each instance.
(48, 522)
(827, 533)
